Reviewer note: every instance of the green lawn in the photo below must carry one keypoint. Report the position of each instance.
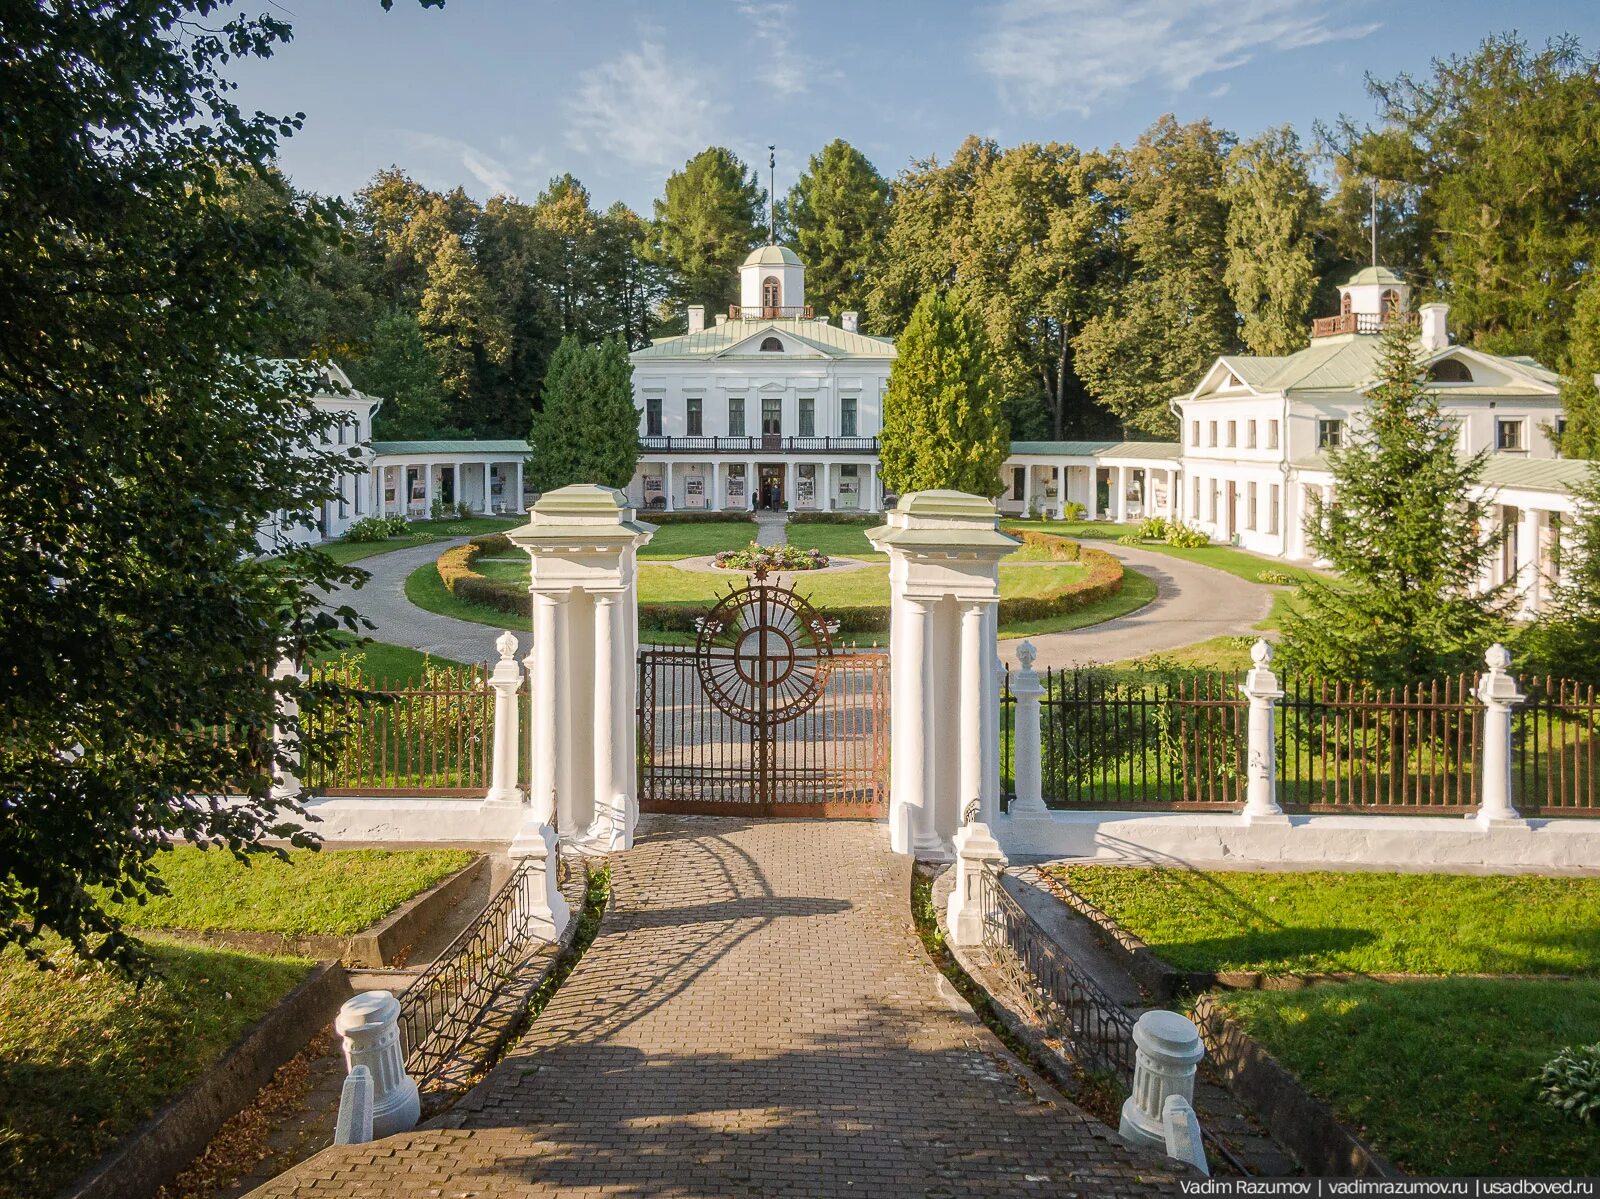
(1324, 922)
(85, 1056)
(333, 892)
(421, 533)
(695, 539)
(1137, 591)
(1436, 1074)
(383, 663)
(848, 540)
(1240, 563)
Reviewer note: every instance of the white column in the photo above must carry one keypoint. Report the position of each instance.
(1092, 500)
(610, 828)
(1262, 690)
(789, 477)
(427, 490)
(908, 790)
(1497, 691)
(1167, 1051)
(516, 496)
(369, 1025)
(973, 671)
(1119, 496)
(976, 851)
(506, 680)
(547, 610)
(825, 500)
(873, 503)
(1061, 491)
(719, 490)
(924, 827)
(460, 489)
(488, 494)
(1027, 768)
(1528, 560)
(671, 503)
(287, 782)
(1027, 491)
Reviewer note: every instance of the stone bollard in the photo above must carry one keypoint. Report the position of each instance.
(975, 850)
(370, 1026)
(354, 1126)
(1498, 693)
(1026, 764)
(506, 680)
(1184, 1140)
(1261, 688)
(1168, 1050)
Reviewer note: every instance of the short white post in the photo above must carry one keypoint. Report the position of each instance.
(1184, 1139)
(370, 1027)
(506, 681)
(287, 785)
(1168, 1049)
(1026, 766)
(548, 910)
(1262, 689)
(1498, 693)
(354, 1123)
(976, 850)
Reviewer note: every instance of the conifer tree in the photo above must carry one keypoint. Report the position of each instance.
(1407, 539)
(587, 430)
(711, 215)
(1565, 640)
(837, 214)
(942, 426)
(1580, 398)
(1272, 207)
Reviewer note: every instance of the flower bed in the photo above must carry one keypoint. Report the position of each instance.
(773, 557)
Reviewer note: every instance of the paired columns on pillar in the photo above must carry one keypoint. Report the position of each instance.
(944, 551)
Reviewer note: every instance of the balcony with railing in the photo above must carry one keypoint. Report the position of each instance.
(1359, 322)
(770, 443)
(770, 312)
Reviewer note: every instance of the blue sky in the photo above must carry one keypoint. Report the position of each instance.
(499, 95)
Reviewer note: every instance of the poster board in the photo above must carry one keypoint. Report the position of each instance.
(806, 488)
(1158, 492)
(694, 491)
(736, 496)
(849, 494)
(655, 495)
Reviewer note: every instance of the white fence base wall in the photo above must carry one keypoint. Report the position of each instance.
(1307, 841)
(352, 818)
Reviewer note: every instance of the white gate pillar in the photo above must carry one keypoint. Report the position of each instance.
(1498, 693)
(944, 552)
(583, 544)
(1262, 689)
(506, 681)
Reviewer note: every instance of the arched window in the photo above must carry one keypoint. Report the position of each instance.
(1345, 304)
(1388, 304)
(1451, 370)
(771, 345)
(771, 292)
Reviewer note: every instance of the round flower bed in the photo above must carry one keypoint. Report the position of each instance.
(773, 557)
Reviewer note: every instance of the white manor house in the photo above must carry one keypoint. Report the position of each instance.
(771, 406)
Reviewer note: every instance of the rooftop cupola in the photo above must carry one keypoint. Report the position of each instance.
(772, 284)
(1367, 301)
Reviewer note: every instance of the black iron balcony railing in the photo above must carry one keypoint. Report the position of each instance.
(1358, 322)
(765, 444)
(769, 312)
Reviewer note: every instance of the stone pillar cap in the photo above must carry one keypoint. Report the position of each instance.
(368, 1009)
(1169, 1034)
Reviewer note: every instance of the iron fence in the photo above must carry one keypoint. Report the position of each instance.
(1555, 749)
(1070, 1006)
(438, 1012)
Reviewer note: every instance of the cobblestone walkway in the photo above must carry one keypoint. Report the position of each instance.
(756, 1018)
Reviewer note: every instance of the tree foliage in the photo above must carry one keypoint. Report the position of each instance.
(1580, 394)
(835, 218)
(1565, 640)
(1273, 207)
(942, 426)
(1407, 539)
(142, 444)
(710, 217)
(399, 368)
(587, 430)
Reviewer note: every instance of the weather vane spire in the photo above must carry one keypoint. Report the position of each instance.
(772, 195)
(1374, 221)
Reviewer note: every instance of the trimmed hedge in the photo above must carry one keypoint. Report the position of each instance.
(833, 518)
(1103, 581)
(694, 518)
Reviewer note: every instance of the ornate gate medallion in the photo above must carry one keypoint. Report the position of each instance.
(763, 653)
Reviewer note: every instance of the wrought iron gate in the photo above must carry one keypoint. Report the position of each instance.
(762, 717)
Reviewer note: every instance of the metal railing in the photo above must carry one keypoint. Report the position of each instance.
(1555, 749)
(1358, 322)
(770, 312)
(438, 1012)
(1070, 1005)
(769, 442)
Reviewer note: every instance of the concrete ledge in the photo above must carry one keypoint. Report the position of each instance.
(1176, 838)
(380, 945)
(1297, 1119)
(347, 818)
(152, 1155)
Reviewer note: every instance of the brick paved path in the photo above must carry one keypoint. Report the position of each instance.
(756, 1017)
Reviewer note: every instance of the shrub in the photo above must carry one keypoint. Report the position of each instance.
(1275, 577)
(1130, 539)
(1186, 537)
(1073, 510)
(376, 528)
(699, 518)
(773, 557)
(1570, 1082)
(1153, 528)
(831, 518)
(464, 510)
(1061, 549)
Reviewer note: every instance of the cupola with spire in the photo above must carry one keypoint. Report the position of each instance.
(772, 284)
(1368, 300)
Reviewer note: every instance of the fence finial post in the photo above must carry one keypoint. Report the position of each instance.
(1168, 1048)
(976, 851)
(1262, 689)
(370, 1027)
(1498, 693)
(506, 681)
(1026, 766)
(287, 786)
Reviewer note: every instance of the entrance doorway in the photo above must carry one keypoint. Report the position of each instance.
(770, 496)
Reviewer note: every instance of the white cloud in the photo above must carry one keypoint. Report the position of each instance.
(1050, 56)
(784, 70)
(642, 108)
(508, 172)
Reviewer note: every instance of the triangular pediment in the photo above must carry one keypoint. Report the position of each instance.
(758, 344)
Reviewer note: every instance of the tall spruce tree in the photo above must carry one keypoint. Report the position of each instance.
(587, 429)
(710, 216)
(1273, 209)
(1407, 539)
(1580, 399)
(942, 426)
(835, 218)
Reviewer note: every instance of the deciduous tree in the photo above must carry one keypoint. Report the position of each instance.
(1565, 639)
(398, 368)
(1580, 400)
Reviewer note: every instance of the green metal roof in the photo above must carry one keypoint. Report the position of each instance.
(1535, 474)
(450, 447)
(828, 340)
(772, 256)
(1351, 361)
(1099, 449)
(1374, 274)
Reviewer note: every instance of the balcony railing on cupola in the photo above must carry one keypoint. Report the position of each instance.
(769, 312)
(1358, 322)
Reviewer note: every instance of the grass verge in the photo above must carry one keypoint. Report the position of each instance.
(332, 892)
(1325, 922)
(1137, 591)
(420, 532)
(1437, 1074)
(384, 664)
(85, 1056)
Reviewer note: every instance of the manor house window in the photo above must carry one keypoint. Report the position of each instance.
(1508, 435)
(1272, 435)
(1330, 434)
(652, 416)
(1250, 434)
(1194, 433)
(1213, 434)
(1272, 508)
(847, 416)
(808, 417)
(1250, 506)
(696, 416)
(771, 345)
(1233, 434)
(736, 416)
